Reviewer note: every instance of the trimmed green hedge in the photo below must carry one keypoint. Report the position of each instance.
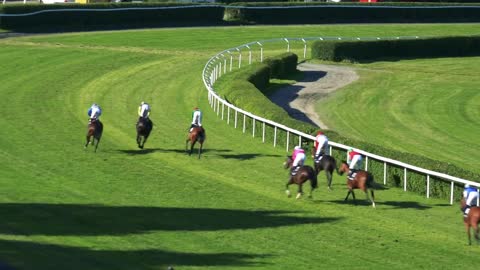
(119, 18)
(357, 51)
(278, 13)
(239, 88)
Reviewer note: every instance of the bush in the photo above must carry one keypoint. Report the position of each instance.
(357, 51)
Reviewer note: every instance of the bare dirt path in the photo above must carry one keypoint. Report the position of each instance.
(300, 98)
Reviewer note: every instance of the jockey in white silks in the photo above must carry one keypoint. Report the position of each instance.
(298, 157)
(144, 110)
(94, 111)
(470, 194)
(354, 161)
(321, 145)
(196, 118)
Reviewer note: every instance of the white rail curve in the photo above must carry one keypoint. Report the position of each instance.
(222, 62)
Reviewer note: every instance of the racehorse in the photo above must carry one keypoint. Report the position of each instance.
(303, 174)
(326, 163)
(197, 134)
(363, 180)
(471, 221)
(144, 127)
(94, 129)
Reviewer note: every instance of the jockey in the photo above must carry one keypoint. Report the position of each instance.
(470, 194)
(144, 112)
(321, 144)
(354, 161)
(196, 118)
(298, 157)
(94, 111)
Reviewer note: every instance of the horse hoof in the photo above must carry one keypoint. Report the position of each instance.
(298, 196)
(288, 193)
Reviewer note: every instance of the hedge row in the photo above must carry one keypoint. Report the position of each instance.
(357, 51)
(244, 88)
(192, 15)
(269, 13)
(311, 14)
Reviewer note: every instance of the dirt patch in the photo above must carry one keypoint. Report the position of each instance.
(300, 98)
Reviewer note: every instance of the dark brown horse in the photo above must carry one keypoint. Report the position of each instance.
(95, 130)
(144, 127)
(326, 163)
(471, 221)
(362, 180)
(196, 135)
(303, 174)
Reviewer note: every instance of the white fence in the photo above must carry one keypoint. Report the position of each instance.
(229, 59)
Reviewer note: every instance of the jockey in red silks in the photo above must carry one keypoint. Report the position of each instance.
(354, 161)
(321, 144)
(298, 157)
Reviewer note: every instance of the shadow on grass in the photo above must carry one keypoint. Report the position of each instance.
(406, 205)
(162, 150)
(76, 219)
(27, 255)
(246, 156)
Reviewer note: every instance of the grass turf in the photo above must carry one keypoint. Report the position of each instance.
(124, 208)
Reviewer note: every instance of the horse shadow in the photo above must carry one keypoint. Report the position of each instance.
(164, 150)
(245, 156)
(79, 258)
(406, 205)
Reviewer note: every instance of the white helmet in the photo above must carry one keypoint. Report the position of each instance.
(143, 102)
(297, 147)
(467, 185)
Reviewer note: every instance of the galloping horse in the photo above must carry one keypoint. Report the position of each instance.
(471, 221)
(144, 127)
(363, 180)
(303, 174)
(197, 134)
(326, 163)
(95, 129)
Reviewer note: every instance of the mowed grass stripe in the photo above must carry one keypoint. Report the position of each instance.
(424, 106)
(124, 209)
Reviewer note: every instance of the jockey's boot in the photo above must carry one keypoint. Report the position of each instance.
(466, 211)
(294, 170)
(350, 174)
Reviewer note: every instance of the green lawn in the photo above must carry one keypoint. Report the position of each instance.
(64, 207)
(428, 107)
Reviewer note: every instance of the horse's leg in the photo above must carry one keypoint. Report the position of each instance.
(300, 191)
(192, 144)
(353, 196)
(329, 179)
(372, 194)
(348, 194)
(186, 145)
(467, 227)
(200, 149)
(88, 141)
(96, 145)
(290, 181)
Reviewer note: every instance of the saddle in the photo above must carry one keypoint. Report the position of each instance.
(295, 170)
(352, 174)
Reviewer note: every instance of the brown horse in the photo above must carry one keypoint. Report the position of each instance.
(95, 130)
(363, 180)
(144, 127)
(196, 135)
(471, 221)
(303, 174)
(326, 163)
